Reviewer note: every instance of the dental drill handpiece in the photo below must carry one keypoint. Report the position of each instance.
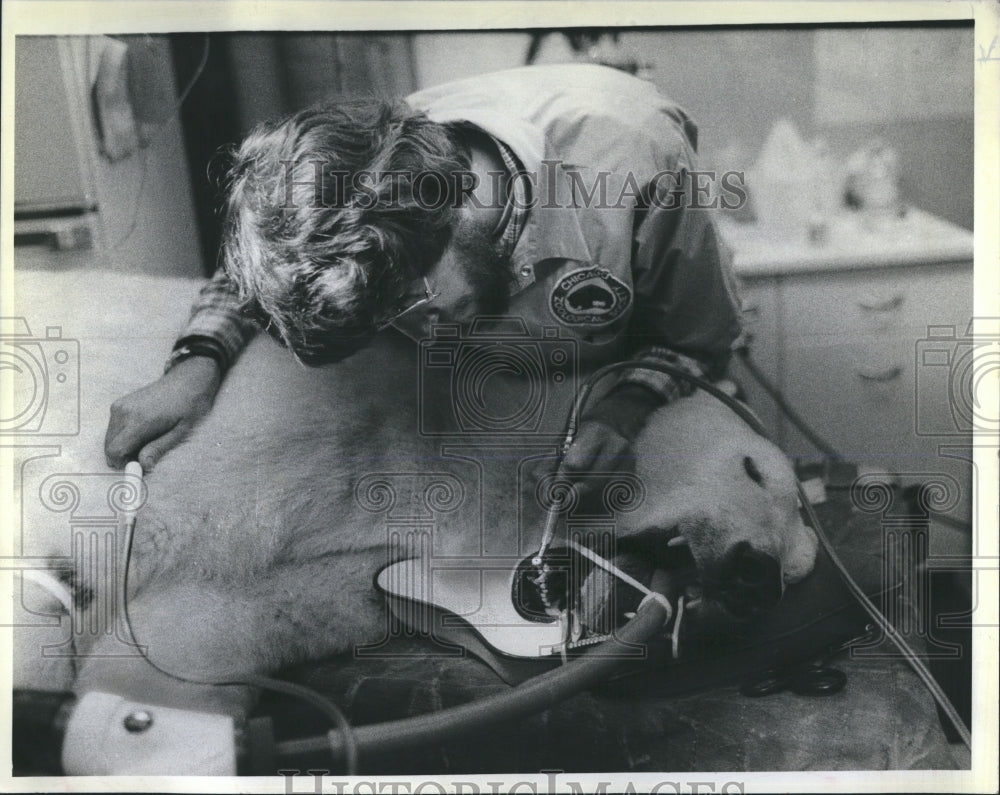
(543, 571)
(557, 503)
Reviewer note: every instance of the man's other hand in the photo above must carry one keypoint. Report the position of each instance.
(603, 444)
(149, 422)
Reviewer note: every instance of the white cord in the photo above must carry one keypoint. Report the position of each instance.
(675, 636)
(52, 586)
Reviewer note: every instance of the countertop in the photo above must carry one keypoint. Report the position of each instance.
(852, 241)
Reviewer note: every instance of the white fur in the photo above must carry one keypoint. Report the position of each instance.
(253, 551)
(691, 462)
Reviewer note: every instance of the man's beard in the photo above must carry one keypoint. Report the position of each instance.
(487, 269)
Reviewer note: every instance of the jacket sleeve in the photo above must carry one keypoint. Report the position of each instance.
(217, 317)
(687, 308)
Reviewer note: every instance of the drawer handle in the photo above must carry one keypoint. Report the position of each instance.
(887, 305)
(888, 374)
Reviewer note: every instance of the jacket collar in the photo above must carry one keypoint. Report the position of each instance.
(553, 226)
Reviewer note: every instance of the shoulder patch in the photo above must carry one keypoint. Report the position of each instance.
(589, 296)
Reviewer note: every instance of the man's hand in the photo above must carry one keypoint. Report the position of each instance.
(603, 444)
(151, 421)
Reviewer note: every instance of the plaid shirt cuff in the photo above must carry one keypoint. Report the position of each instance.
(217, 314)
(664, 385)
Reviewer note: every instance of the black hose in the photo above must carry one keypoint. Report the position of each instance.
(545, 690)
(550, 688)
(534, 695)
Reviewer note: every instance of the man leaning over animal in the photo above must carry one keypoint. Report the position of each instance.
(560, 195)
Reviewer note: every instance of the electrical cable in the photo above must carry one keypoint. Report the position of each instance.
(915, 663)
(203, 61)
(744, 412)
(786, 408)
(573, 419)
(549, 688)
(144, 147)
(921, 670)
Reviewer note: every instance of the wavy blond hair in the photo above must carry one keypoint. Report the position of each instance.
(317, 267)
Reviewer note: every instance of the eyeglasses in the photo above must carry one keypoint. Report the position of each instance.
(429, 295)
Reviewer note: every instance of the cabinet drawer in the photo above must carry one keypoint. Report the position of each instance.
(861, 303)
(873, 402)
(859, 396)
(761, 323)
(759, 301)
(880, 405)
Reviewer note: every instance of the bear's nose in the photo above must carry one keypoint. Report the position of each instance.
(749, 581)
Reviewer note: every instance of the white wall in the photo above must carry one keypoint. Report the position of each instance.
(440, 57)
(145, 206)
(909, 87)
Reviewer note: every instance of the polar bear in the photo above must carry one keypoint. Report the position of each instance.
(260, 537)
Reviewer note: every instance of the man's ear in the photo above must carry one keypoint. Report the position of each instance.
(485, 204)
